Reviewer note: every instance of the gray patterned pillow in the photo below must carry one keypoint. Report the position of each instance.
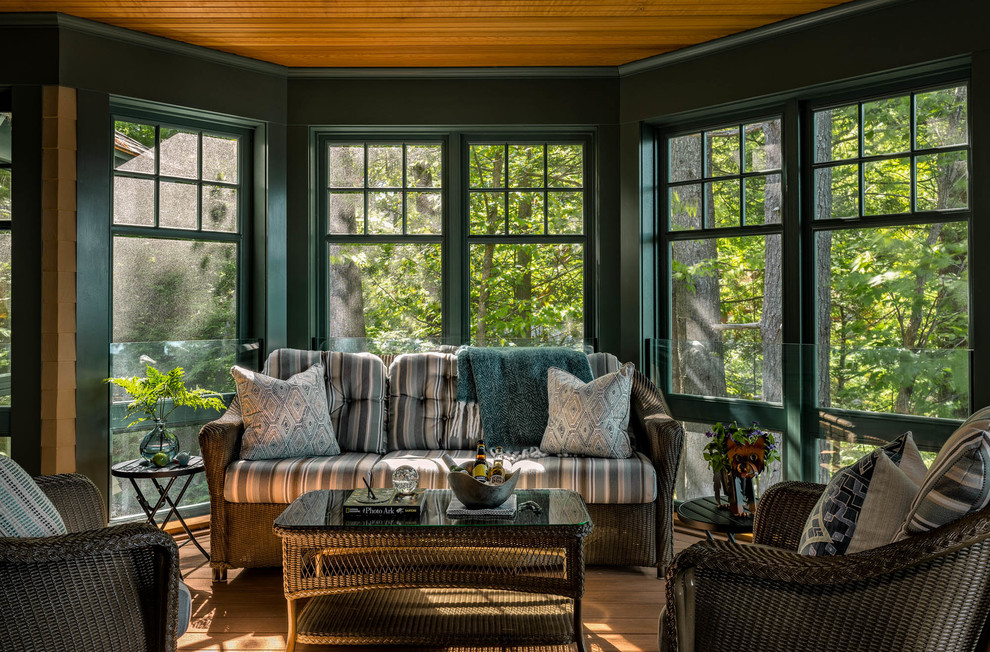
(588, 419)
(25, 510)
(285, 418)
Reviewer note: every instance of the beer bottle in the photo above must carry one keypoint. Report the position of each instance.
(480, 470)
(497, 474)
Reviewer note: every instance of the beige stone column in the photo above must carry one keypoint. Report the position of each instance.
(58, 281)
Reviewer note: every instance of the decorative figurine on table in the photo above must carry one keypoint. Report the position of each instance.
(737, 456)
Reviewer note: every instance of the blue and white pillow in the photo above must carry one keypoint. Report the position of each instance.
(831, 526)
(25, 510)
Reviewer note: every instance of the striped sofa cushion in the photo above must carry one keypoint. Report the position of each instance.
(356, 392)
(432, 470)
(422, 398)
(282, 481)
(958, 483)
(25, 510)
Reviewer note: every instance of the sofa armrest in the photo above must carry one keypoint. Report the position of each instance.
(763, 598)
(782, 512)
(97, 589)
(665, 439)
(220, 444)
(77, 500)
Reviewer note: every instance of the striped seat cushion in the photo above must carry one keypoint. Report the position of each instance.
(598, 480)
(282, 481)
(356, 393)
(25, 510)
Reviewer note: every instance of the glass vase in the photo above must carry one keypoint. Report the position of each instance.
(159, 440)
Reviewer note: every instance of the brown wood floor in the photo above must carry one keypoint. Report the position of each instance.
(621, 606)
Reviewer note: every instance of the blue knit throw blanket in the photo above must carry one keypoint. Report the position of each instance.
(510, 386)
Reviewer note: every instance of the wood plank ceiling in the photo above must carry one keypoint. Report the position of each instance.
(429, 33)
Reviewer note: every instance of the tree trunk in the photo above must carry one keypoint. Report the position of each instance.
(345, 306)
(823, 265)
(494, 225)
(771, 317)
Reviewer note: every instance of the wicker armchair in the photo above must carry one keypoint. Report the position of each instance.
(929, 592)
(95, 588)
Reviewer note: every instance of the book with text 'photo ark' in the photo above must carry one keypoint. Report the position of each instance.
(383, 504)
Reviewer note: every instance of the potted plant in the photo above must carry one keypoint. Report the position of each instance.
(156, 396)
(736, 456)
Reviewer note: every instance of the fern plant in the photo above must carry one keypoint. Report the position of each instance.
(158, 394)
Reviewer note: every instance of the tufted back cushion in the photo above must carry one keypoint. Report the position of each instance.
(356, 392)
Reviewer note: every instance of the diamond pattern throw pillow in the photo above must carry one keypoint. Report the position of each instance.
(588, 419)
(285, 418)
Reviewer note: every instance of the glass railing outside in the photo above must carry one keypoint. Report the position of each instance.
(206, 364)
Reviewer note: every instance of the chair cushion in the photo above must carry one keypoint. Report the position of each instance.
(25, 510)
(185, 609)
(284, 418)
(958, 482)
(591, 418)
(432, 470)
(282, 481)
(831, 526)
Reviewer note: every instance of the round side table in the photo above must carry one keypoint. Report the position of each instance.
(704, 514)
(134, 470)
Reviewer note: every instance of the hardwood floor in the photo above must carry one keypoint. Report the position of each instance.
(621, 606)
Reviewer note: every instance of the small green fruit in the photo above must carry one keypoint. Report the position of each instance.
(160, 459)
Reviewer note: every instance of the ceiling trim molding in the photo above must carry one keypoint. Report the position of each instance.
(86, 26)
(527, 72)
(755, 35)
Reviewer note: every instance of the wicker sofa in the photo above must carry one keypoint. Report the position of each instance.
(928, 592)
(95, 588)
(407, 413)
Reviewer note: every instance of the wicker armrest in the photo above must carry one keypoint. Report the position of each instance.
(77, 500)
(664, 439)
(97, 589)
(881, 599)
(782, 512)
(219, 442)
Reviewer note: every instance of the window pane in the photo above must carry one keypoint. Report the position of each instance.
(899, 319)
(762, 199)
(6, 137)
(423, 166)
(180, 153)
(487, 213)
(722, 152)
(566, 166)
(837, 134)
(525, 213)
(566, 212)
(219, 208)
(762, 146)
(527, 291)
(5, 176)
(726, 312)
(943, 181)
(345, 166)
(942, 119)
(385, 212)
(133, 201)
(173, 289)
(220, 158)
(837, 192)
(685, 158)
(385, 166)
(178, 207)
(134, 147)
(384, 291)
(685, 207)
(722, 203)
(887, 126)
(887, 186)
(487, 166)
(526, 166)
(423, 212)
(5, 321)
(346, 212)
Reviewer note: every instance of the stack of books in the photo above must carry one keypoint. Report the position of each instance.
(384, 504)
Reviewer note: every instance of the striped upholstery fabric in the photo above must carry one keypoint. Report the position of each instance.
(25, 510)
(597, 479)
(958, 483)
(282, 481)
(432, 470)
(603, 363)
(422, 398)
(357, 392)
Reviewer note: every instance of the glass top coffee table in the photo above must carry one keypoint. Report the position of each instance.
(435, 580)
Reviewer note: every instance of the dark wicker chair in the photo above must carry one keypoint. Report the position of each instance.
(95, 588)
(929, 592)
